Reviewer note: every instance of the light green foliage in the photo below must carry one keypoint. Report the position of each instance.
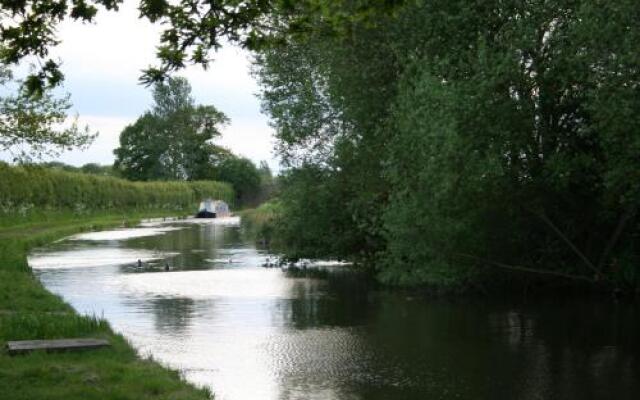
(97, 169)
(172, 141)
(32, 125)
(90, 168)
(29, 189)
(328, 97)
(259, 224)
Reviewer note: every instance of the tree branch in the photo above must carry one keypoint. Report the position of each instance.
(564, 238)
(525, 269)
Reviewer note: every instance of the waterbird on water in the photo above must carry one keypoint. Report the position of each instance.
(268, 263)
(139, 263)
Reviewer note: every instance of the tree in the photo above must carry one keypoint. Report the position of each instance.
(328, 95)
(192, 29)
(173, 140)
(32, 126)
(242, 174)
(463, 140)
(97, 169)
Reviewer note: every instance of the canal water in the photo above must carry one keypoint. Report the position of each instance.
(249, 332)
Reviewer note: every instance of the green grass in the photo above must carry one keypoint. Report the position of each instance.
(29, 311)
(259, 224)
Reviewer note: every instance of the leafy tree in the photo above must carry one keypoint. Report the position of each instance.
(172, 141)
(58, 165)
(97, 169)
(192, 29)
(328, 97)
(265, 171)
(242, 174)
(463, 140)
(32, 126)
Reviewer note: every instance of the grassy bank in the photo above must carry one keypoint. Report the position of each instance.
(40, 205)
(29, 311)
(259, 224)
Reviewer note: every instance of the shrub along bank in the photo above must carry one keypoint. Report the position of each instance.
(259, 224)
(34, 193)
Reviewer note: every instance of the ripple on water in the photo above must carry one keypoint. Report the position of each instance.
(91, 258)
(123, 234)
(230, 283)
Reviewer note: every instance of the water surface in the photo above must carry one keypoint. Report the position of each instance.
(254, 333)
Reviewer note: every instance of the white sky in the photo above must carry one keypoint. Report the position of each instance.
(102, 62)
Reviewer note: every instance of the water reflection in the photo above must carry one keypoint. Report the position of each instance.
(172, 314)
(253, 333)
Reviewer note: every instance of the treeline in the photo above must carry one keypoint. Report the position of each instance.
(89, 168)
(460, 143)
(27, 189)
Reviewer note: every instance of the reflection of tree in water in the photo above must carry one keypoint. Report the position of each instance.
(499, 351)
(414, 348)
(232, 236)
(340, 299)
(173, 315)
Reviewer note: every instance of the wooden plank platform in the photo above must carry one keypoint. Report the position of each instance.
(23, 346)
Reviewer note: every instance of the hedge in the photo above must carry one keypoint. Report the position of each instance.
(30, 188)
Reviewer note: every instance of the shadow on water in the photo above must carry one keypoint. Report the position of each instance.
(251, 332)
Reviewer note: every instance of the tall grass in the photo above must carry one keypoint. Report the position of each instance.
(28, 191)
(260, 224)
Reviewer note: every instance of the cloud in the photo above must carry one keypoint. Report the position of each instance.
(102, 62)
(251, 138)
(101, 151)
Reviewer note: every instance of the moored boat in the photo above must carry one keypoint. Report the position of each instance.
(213, 209)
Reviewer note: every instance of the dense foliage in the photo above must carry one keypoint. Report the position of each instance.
(455, 142)
(448, 142)
(259, 224)
(28, 189)
(173, 140)
(89, 168)
(241, 173)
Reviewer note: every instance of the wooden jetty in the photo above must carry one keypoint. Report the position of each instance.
(23, 346)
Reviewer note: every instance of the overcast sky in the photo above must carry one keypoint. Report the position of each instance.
(102, 62)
